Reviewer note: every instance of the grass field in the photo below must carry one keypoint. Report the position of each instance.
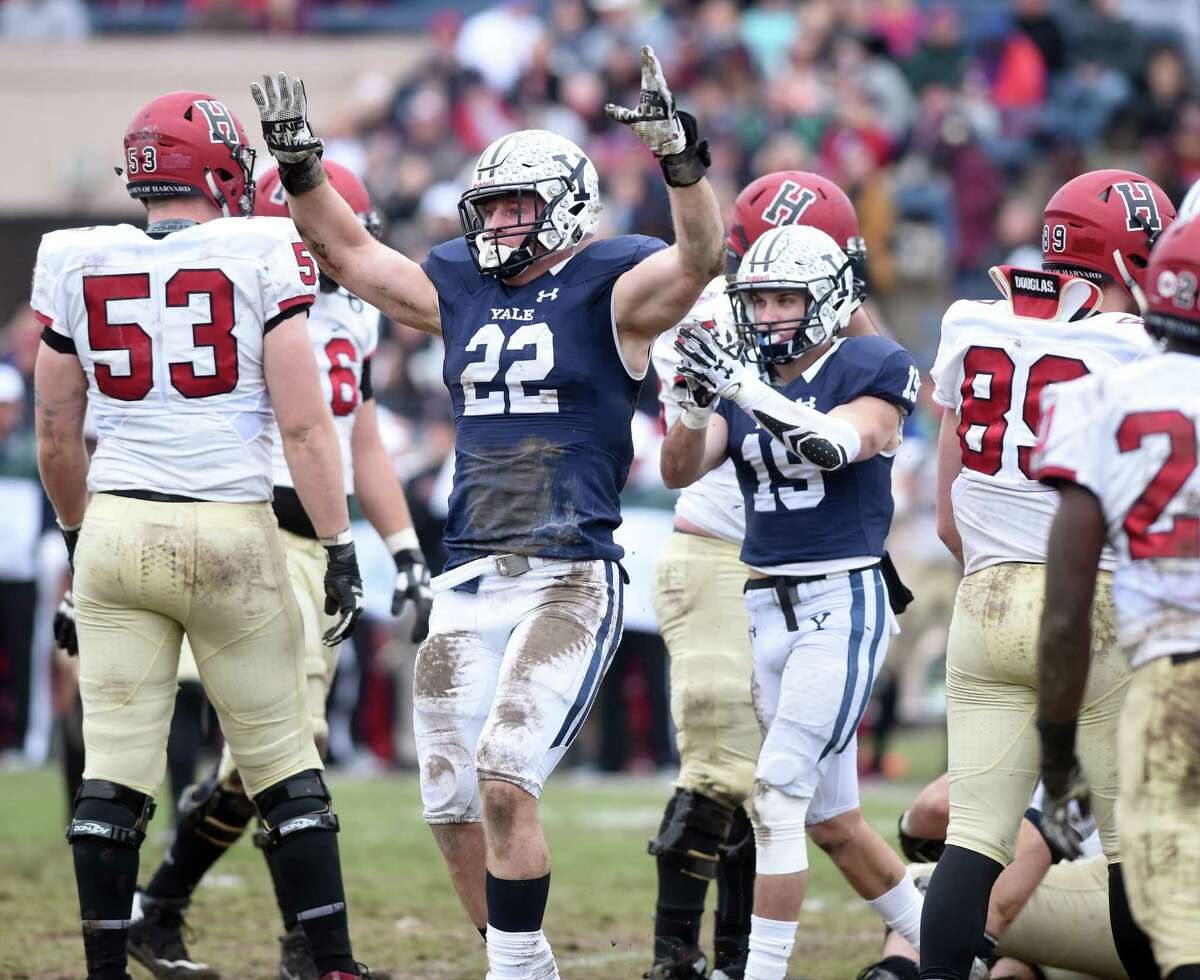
(404, 916)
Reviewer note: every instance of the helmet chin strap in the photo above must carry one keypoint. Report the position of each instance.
(217, 193)
(1129, 282)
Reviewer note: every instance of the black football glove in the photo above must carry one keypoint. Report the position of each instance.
(343, 591)
(412, 585)
(1066, 806)
(65, 637)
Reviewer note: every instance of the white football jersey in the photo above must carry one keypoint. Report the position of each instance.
(344, 332)
(1130, 437)
(169, 332)
(994, 360)
(714, 502)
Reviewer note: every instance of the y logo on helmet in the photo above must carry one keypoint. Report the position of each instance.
(577, 175)
(789, 204)
(1141, 210)
(221, 126)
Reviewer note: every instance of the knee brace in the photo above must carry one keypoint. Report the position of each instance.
(691, 834)
(214, 812)
(110, 812)
(298, 804)
(779, 834)
(449, 789)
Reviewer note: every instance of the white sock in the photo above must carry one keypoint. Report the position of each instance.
(771, 943)
(519, 955)
(901, 910)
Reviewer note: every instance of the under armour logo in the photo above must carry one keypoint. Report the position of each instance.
(818, 619)
(547, 294)
(753, 632)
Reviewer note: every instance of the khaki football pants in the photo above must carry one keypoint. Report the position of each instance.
(1160, 807)
(991, 691)
(306, 561)
(702, 618)
(146, 574)
(1063, 928)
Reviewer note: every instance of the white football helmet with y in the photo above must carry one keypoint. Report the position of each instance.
(796, 258)
(558, 192)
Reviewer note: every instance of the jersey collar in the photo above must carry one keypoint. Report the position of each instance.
(810, 373)
(1040, 295)
(166, 226)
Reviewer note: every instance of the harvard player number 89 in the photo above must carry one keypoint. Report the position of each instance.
(991, 382)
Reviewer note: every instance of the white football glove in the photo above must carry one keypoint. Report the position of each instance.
(710, 362)
(283, 109)
(654, 120)
(1067, 813)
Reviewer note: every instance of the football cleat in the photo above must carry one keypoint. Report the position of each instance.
(155, 940)
(675, 962)
(295, 961)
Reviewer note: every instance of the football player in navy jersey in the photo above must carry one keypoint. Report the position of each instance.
(547, 337)
(811, 424)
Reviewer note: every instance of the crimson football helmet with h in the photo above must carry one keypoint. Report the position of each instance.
(1101, 226)
(187, 144)
(796, 197)
(270, 201)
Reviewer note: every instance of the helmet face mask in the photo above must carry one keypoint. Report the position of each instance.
(552, 180)
(792, 259)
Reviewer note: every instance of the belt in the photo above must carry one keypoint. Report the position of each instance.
(154, 495)
(784, 587)
(1183, 658)
(510, 566)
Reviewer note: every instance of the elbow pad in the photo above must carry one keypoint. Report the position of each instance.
(826, 441)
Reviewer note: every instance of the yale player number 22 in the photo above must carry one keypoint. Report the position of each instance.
(514, 399)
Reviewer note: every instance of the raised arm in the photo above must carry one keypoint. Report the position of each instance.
(848, 434)
(342, 246)
(659, 291)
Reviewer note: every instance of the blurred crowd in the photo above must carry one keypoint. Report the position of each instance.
(949, 124)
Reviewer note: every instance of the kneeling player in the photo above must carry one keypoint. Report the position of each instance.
(812, 448)
(1121, 449)
(214, 814)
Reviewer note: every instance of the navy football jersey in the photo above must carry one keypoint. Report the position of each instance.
(542, 404)
(795, 513)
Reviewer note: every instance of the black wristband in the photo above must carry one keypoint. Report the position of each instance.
(303, 176)
(686, 167)
(1058, 745)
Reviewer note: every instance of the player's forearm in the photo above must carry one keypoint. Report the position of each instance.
(63, 465)
(378, 491)
(314, 460)
(681, 459)
(330, 228)
(788, 422)
(699, 233)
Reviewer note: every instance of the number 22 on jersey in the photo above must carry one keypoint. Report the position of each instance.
(1001, 407)
(513, 399)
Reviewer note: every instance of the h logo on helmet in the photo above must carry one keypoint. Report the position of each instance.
(576, 178)
(789, 204)
(221, 126)
(1141, 210)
